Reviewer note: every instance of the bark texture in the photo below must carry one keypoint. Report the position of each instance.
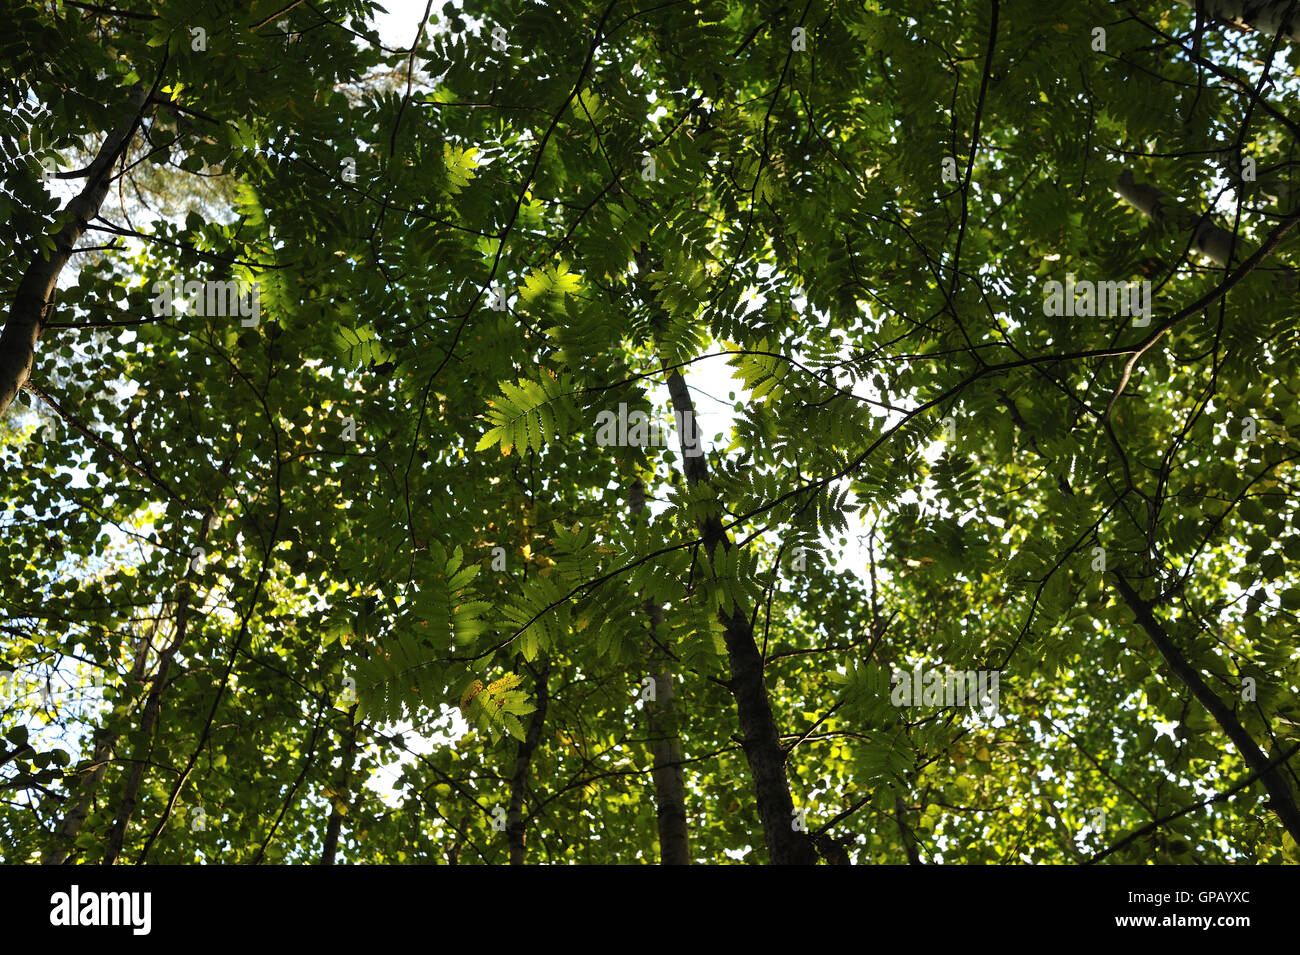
(1210, 240)
(334, 826)
(95, 770)
(153, 703)
(759, 737)
(1282, 799)
(515, 831)
(148, 722)
(1207, 239)
(36, 289)
(1266, 16)
(665, 739)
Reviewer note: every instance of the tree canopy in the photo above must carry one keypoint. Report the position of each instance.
(370, 493)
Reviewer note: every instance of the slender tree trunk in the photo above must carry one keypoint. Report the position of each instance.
(307, 762)
(153, 705)
(98, 766)
(1266, 16)
(335, 824)
(1210, 240)
(1282, 799)
(523, 760)
(760, 739)
(152, 711)
(666, 751)
(665, 740)
(905, 832)
(453, 853)
(32, 300)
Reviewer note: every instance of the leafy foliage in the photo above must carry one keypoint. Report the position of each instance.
(374, 531)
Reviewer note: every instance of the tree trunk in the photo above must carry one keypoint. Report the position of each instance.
(1283, 800)
(1266, 16)
(335, 824)
(153, 705)
(760, 740)
(32, 300)
(665, 741)
(905, 832)
(523, 759)
(152, 711)
(1208, 239)
(98, 766)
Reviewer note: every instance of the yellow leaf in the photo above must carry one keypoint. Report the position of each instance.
(471, 691)
(507, 682)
